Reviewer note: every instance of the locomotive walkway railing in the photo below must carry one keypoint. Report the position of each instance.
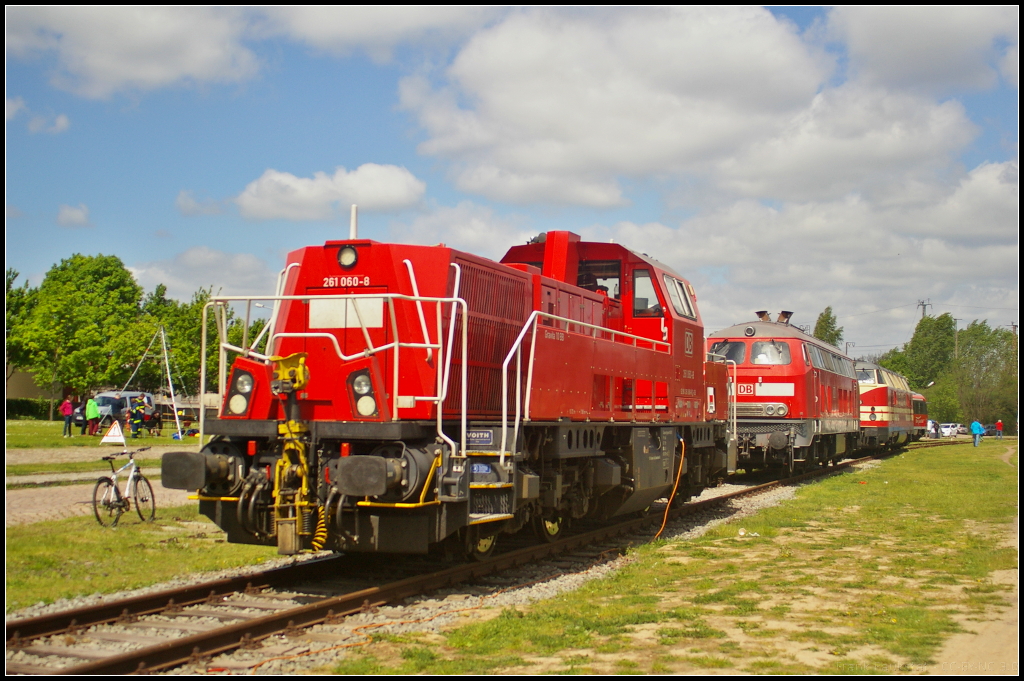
(596, 332)
(221, 304)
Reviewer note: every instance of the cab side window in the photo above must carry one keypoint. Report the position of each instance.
(645, 298)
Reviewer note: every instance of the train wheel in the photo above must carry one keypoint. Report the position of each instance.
(549, 529)
(481, 548)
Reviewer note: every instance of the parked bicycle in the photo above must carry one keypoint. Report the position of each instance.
(108, 502)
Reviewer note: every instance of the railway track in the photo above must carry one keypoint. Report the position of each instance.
(162, 630)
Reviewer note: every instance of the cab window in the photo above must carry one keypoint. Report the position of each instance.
(600, 276)
(645, 298)
(680, 299)
(769, 352)
(735, 351)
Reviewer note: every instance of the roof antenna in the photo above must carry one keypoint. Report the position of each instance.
(763, 315)
(353, 224)
(784, 317)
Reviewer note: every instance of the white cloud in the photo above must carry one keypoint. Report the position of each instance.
(467, 227)
(201, 266)
(1010, 66)
(858, 256)
(586, 98)
(926, 47)
(73, 216)
(279, 195)
(376, 30)
(188, 205)
(103, 50)
(850, 138)
(12, 107)
(59, 124)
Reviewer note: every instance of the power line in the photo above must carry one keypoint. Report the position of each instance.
(861, 314)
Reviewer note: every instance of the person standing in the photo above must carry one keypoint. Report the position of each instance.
(999, 429)
(977, 430)
(67, 409)
(92, 415)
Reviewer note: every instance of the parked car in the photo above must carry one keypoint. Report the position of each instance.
(951, 429)
(990, 429)
(961, 429)
(114, 406)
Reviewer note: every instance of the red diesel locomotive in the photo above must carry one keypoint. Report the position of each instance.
(796, 398)
(886, 407)
(408, 397)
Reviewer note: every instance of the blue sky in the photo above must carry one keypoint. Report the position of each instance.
(791, 158)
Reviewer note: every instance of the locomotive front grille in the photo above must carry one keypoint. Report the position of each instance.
(799, 427)
(748, 409)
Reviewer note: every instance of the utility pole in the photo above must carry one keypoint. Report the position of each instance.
(924, 305)
(848, 344)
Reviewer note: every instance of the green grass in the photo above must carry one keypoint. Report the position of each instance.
(48, 561)
(28, 434)
(866, 571)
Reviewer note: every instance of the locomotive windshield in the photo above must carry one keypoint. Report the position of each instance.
(769, 352)
(866, 376)
(735, 351)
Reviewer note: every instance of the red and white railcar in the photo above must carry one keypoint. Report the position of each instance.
(402, 396)
(886, 407)
(796, 397)
(920, 406)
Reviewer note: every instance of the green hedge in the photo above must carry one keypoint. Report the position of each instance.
(28, 408)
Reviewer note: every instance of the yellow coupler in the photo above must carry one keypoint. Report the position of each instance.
(295, 502)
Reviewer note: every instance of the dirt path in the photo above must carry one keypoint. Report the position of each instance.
(991, 647)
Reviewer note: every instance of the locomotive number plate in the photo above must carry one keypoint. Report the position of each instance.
(338, 282)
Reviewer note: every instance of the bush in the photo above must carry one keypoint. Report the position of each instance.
(29, 408)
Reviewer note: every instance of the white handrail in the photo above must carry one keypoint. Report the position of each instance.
(515, 350)
(219, 306)
(419, 306)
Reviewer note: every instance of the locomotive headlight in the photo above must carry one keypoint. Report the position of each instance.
(781, 410)
(361, 384)
(238, 403)
(366, 405)
(872, 417)
(770, 410)
(347, 257)
(243, 383)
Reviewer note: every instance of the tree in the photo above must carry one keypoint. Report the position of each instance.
(19, 304)
(82, 308)
(985, 373)
(826, 328)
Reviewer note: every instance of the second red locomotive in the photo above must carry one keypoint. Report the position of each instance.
(408, 397)
(796, 396)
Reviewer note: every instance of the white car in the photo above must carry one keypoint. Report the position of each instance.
(949, 429)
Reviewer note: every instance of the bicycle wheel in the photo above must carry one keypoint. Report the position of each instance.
(106, 503)
(145, 502)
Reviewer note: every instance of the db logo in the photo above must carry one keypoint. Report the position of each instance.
(688, 343)
(746, 388)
